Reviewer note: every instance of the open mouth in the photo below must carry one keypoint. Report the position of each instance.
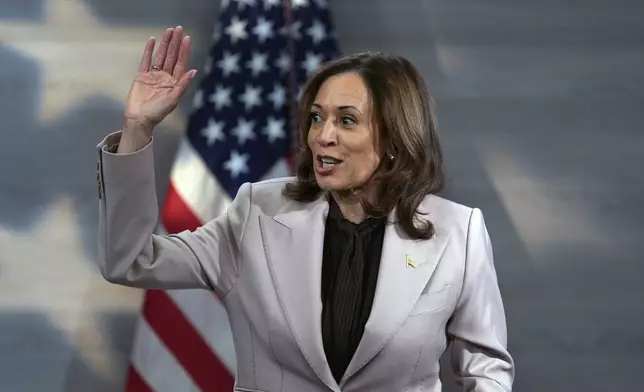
(326, 163)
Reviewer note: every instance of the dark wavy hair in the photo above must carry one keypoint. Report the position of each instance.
(404, 117)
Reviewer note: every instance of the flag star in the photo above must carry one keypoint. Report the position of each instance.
(274, 129)
(258, 63)
(61, 55)
(197, 100)
(237, 30)
(251, 97)
(292, 30)
(221, 97)
(244, 3)
(271, 3)
(283, 62)
(299, 3)
(229, 63)
(312, 62)
(213, 132)
(27, 287)
(317, 32)
(277, 96)
(263, 30)
(244, 131)
(236, 164)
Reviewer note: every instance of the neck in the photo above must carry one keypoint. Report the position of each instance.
(350, 206)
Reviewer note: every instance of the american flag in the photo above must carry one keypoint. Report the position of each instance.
(241, 130)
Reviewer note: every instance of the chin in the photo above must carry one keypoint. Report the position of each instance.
(328, 183)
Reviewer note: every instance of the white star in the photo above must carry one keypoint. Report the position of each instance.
(251, 97)
(197, 100)
(263, 29)
(312, 62)
(292, 30)
(258, 63)
(245, 3)
(77, 66)
(237, 30)
(244, 131)
(277, 96)
(283, 62)
(221, 97)
(317, 32)
(59, 287)
(271, 3)
(237, 164)
(274, 129)
(229, 63)
(299, 3)
(213, 132)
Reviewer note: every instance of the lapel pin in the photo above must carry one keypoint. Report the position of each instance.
(410, 263)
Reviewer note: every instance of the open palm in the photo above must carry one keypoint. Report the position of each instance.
(160, 82)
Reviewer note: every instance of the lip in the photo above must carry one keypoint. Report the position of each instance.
(321, 169)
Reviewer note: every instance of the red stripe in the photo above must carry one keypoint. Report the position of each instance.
(135, 383)
(185, 343)
(176, 215)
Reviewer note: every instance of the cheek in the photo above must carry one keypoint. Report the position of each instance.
(363, 164)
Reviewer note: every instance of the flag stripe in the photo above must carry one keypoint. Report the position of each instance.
(135, 383)
(177, 216)
(208, 316)
(186, 344)
(192, 180)
(155, 366)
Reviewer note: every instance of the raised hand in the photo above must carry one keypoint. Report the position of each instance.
(155, 92)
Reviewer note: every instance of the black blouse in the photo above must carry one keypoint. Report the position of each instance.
(351, 260)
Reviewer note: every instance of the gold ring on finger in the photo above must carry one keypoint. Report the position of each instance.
(156, 68)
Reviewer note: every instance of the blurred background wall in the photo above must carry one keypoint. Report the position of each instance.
(540, 114)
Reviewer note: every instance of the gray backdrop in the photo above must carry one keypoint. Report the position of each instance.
(539, 106)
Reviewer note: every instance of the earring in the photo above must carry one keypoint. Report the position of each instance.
(391, 157)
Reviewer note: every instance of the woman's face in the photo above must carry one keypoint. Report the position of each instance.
(341, 136)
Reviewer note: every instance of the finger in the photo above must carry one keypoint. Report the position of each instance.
(173, 50)
(159, 59)
(182, 61)
(146, 59)
(183, 83)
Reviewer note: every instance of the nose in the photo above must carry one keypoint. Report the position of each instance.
(328, 135)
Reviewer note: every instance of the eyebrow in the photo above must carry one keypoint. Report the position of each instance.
(344, 107)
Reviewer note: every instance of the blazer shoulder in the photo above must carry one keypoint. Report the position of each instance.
(267, 195)
(445, 213)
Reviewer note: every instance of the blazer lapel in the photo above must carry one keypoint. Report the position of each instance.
(406, 266)
(294, 241)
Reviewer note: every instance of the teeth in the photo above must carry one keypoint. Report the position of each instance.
(329, 161)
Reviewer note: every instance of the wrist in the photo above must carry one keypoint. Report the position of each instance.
(134, 137)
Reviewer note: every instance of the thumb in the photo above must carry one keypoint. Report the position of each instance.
(183, 83)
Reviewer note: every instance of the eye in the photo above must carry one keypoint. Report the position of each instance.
(347, 121)
(314, 118)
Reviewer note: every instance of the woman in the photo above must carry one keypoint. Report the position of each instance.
(352, 276)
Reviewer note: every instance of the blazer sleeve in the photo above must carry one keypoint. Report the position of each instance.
(130, 254)
(479, 355)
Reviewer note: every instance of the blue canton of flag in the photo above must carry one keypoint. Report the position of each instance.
(262, 53)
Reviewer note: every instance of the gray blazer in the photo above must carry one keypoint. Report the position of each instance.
(263, 257)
